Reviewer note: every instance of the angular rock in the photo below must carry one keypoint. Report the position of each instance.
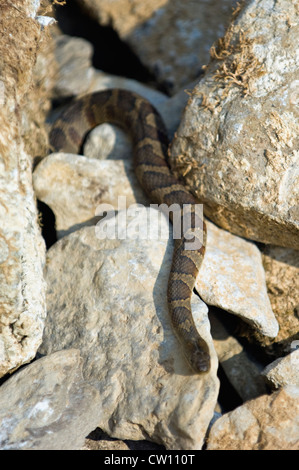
(282, 279)
(22, 289)
(107, 297)
(232, 278)
(74, 186)
(237, 145)
(285, 370)
(171, 38)
(47, 405)
(270, 422)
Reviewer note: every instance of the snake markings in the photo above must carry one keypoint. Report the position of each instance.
(150, 143)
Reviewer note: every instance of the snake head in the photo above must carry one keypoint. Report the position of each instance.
(199, 357)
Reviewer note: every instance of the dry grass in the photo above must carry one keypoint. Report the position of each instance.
(238, 65)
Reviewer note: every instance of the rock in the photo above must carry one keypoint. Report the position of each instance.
(105, 445)
(282, 279)
(269, 422)
(285, 370)
(77, 183)
(175, 57)
(47, 405)
(232, 278)
(77, 76)
(99, 440)
(22, 251)
(242, 371)
(108, 142)
(107, 297)
(75, 72)
(74, 186)
(102, 81)
(237, 145)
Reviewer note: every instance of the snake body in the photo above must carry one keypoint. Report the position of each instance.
(150, 143)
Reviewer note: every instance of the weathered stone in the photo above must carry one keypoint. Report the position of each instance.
(108, 298)
(171, 38)
(108, 142)
(74, 186)
(242, 371)
(76, 189)
(282, 279)
(269, 422)
(237, 144)
(75, 72)
(232, 278)
(48, 406)
(285, 370)
(22, 289)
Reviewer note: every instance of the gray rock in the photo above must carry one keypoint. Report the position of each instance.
(22, 250)
(48, 406)
(237, 145)
(107, 297)
(75, 71)
(232, 277)
(269, 422)
(285, 370)
(74, 186)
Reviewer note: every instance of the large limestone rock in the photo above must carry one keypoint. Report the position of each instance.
(48, 406)
(269, 422)
(282, 278)
(22, 289)
(107, 298)
(237, 145)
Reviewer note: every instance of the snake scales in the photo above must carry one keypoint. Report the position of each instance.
(150, 143)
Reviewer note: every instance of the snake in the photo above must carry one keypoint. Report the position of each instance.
(145, 126)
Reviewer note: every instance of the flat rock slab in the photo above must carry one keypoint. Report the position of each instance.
(108, 299)
(48, 406)
(237, 144)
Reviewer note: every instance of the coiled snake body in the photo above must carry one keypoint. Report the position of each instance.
(150, 143)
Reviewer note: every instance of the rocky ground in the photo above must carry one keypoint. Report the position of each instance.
(106, 370)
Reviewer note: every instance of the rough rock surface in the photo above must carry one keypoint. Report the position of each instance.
(282, 279)
(48, 406)
(22, 289)
(237, 145)
(74, 186)
(75, 74)
(108, 299)
(269, 422)
(285, 370)
(171, 38)
(231, 276)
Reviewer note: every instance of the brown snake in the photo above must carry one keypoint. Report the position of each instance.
(150, 143)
